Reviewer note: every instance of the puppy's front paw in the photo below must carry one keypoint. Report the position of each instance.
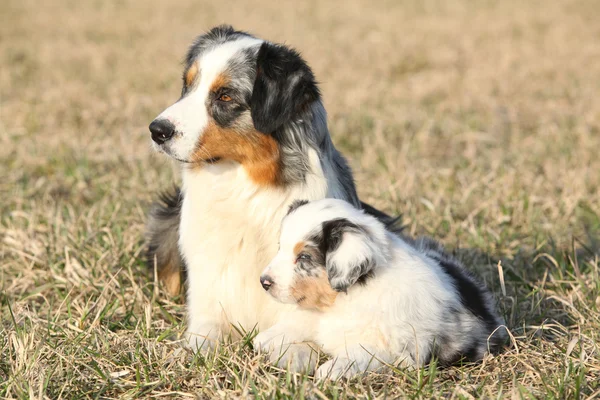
(265, 342)
(338, 368)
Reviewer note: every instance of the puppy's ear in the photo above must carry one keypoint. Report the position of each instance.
(350, 253)
(284, 85)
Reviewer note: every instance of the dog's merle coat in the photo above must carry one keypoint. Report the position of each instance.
(250, 133)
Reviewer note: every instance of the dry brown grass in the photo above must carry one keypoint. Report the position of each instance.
(479, 121)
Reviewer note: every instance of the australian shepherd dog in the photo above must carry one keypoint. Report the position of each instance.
(250, 134)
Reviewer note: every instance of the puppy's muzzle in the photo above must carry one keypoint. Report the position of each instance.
(162, 130)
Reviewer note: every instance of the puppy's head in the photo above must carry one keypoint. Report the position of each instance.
(325, 247)
(237, 91)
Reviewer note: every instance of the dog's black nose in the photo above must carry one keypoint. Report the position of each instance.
(266, 282)
(162, 130)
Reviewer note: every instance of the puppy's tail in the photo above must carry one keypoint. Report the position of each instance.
(162, 235)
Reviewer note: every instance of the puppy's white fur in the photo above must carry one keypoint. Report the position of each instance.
(407, 311)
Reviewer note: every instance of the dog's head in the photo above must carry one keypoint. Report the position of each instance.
(237, 92)
(325, 247)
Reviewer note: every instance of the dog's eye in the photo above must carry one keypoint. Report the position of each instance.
(303, 257)
(224, 97)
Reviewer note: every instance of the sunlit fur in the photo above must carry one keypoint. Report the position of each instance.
(396, 301)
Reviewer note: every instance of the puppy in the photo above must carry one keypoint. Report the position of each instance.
(370, 297)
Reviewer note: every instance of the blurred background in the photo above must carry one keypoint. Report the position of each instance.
(466, 110)
(479, 121)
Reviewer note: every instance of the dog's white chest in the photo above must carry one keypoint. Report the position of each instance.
(228, 234)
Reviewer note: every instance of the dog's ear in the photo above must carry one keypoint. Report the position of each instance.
(350, 253)
(284, 85)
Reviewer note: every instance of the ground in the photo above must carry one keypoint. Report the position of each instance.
(479, 122)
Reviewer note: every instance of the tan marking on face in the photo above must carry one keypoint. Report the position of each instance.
(220, 81)
(298, 248)
(256, 152)
(314, 293)
(170, 276)
(191, 74)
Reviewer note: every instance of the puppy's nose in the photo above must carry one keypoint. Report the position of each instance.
(162, 130)
(266, 282)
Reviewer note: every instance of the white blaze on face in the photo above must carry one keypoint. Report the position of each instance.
(189, 115)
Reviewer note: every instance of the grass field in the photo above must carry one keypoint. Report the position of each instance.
(478, 121)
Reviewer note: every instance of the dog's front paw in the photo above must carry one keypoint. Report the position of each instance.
(338, 368)
(203, 341)
(295, 357)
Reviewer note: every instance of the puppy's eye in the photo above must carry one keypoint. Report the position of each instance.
(224, 97)
(303, 257)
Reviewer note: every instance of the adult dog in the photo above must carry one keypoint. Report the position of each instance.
(250, 133)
